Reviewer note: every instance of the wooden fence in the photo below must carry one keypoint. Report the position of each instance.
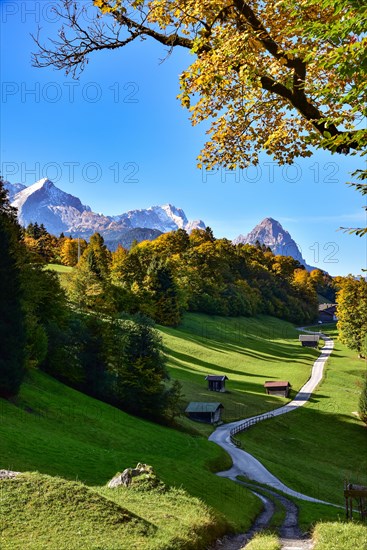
(246, 425)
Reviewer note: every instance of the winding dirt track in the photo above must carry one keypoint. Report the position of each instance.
(247, 465)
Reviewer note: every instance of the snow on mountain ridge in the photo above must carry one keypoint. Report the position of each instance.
(163, 218)
(59, 211)
(176, 214)
(46, 192)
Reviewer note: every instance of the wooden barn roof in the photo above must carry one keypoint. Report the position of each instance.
(215, 377)
(328, 308)
(309, 337)
(198, 406)
(277, 384)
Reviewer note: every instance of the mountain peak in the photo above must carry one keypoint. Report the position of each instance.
(270, 226)
(271, 233)
(45, 203)
(43, 182)
(267, 221)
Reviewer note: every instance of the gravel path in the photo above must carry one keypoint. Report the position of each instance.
(236, 542)
(291, 537)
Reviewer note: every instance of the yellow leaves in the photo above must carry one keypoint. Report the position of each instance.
(109, 6)
(224, 82)
(185, 100)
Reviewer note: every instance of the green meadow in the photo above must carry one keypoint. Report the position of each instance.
(317, 447)
(40, 511)
(54, 430)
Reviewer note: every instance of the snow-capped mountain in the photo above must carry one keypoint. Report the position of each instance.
(163, 218)
(45, 203)
(272, 234)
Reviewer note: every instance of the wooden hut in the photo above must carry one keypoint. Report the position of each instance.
(216, 383)
(204, 412)
(277, 387)
(327, 313)
(309, 340)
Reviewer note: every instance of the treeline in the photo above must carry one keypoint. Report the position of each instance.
(114, 358)
(196, 272)
(48, 248)
(352, 324)
(178, 272)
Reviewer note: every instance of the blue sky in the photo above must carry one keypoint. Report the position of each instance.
(119, 139)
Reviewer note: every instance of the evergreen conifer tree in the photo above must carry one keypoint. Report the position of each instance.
(12, 326)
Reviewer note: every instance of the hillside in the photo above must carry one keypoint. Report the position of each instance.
(248, 351)
(56, 430)
(50, 512)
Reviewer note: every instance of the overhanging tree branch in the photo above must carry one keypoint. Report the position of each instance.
(71, 52)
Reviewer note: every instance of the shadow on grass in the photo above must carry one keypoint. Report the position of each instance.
(262, 349)
(210, 366)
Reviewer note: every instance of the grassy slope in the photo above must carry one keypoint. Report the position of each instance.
(317, 447)
(59, 431)
(63, 271)
(60, 268)
(40, 511)
(248, 350)
(340, 536)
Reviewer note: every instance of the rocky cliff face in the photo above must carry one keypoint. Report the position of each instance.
(272, 234)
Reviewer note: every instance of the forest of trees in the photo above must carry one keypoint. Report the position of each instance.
(179, 272)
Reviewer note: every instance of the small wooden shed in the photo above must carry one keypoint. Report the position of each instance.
(216, 382)
(277, 387)
(327, 313)
(309, 340)
(204, 412)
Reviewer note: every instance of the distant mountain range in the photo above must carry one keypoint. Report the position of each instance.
(61, 212)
